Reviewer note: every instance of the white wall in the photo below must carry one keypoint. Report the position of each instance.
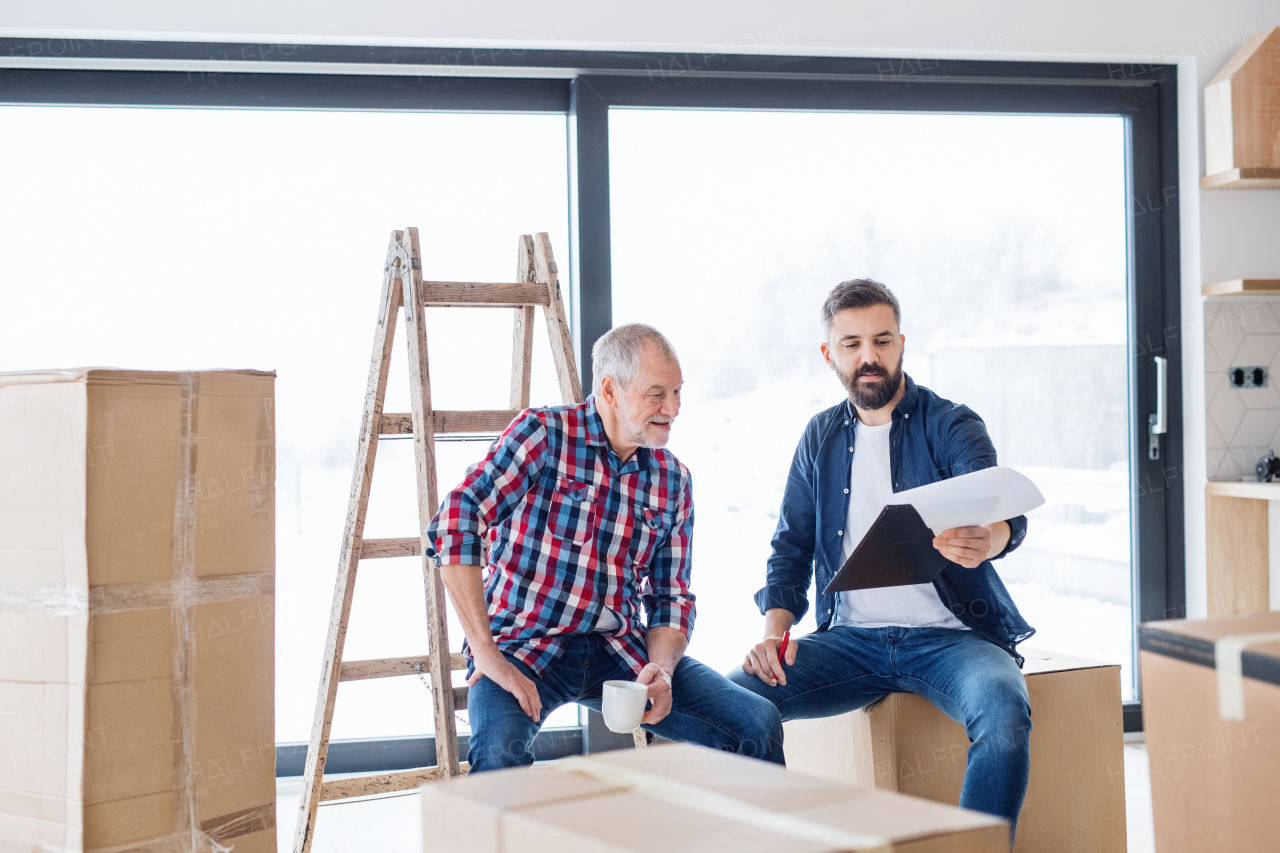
(1224, 235)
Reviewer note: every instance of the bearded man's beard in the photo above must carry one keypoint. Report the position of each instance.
(877, 395)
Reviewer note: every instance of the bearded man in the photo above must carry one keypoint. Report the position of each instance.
(952, 641)
(588, 518)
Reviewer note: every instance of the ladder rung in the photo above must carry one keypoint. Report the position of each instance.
(358, 670)
(443, 422)
(373, 549)
(469, 293)
(381, 783)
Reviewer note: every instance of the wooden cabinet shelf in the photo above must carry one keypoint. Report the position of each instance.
(1242, 179)
(1244, 489)
(1243, 287)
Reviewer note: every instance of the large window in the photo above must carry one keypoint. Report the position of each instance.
(1014, 300)
(1026, 215)
(189, 239)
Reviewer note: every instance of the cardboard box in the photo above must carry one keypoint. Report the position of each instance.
(137, 584)
(1213, 780)
(681, 798)
(1075, 795)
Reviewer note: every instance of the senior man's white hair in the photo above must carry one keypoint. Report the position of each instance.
(617, 353)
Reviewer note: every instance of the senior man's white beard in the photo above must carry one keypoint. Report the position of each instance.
(638, 431)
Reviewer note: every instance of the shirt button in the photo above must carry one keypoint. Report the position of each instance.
(851, 448)
(841, 533)
(846, 423)
(828, 610)
(846, 491)
(905, 415)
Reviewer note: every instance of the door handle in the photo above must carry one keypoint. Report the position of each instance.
(1158, 423)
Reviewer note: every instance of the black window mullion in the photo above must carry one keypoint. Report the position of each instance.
(1155, 307)
(589, 212)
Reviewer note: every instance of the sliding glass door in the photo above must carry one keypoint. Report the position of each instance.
(1004, 236)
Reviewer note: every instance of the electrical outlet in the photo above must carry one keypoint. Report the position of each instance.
(1247, 377)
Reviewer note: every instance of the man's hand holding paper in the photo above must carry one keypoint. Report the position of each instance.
(971, 546)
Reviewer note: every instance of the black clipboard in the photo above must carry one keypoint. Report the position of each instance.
(897, 551)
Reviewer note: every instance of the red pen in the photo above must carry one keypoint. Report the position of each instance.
(782, 650)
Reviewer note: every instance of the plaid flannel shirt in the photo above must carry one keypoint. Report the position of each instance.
(572, 530)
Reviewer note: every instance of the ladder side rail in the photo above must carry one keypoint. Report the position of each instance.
(522, 349)
(557, 321)
(442, 694)
(361, 481)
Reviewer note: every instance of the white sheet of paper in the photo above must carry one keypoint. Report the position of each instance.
(992, 494)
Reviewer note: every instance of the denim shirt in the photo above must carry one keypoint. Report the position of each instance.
(931, 439)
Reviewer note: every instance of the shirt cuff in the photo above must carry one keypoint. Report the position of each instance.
(784, 596)
(458, 549)
(678, 613)
(1017, 532)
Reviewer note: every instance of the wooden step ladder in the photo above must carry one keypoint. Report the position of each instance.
(402, 286)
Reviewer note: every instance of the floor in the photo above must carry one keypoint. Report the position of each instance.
(393, 824)
(1137, 798)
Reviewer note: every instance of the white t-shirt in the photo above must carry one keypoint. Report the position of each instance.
(871, 487)
(608, 622)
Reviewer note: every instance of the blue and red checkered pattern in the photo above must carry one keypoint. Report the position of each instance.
(572, 530)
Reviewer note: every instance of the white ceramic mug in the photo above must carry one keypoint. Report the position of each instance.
(624, 705)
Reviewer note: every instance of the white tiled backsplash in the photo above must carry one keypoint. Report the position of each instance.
(1242, 423)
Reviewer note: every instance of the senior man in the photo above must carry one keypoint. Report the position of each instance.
(952, 641)
(587, 518)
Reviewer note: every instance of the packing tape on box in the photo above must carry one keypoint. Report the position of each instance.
(65, 599)
(1228, 658)
(209, 836)
(691, 796)
(43, 377)
(182, 730)
(81, 600)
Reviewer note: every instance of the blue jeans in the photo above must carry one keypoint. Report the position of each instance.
(706, 708)
(971, 680)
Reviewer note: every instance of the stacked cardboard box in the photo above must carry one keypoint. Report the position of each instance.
(1213, 739)
(681, 798)
(1075, 795)
(137, 559)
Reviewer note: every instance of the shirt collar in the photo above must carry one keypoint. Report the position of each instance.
(908, 401)
(596, 436)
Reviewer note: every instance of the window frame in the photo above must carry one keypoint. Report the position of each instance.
(584, 85)
(1145, 96)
